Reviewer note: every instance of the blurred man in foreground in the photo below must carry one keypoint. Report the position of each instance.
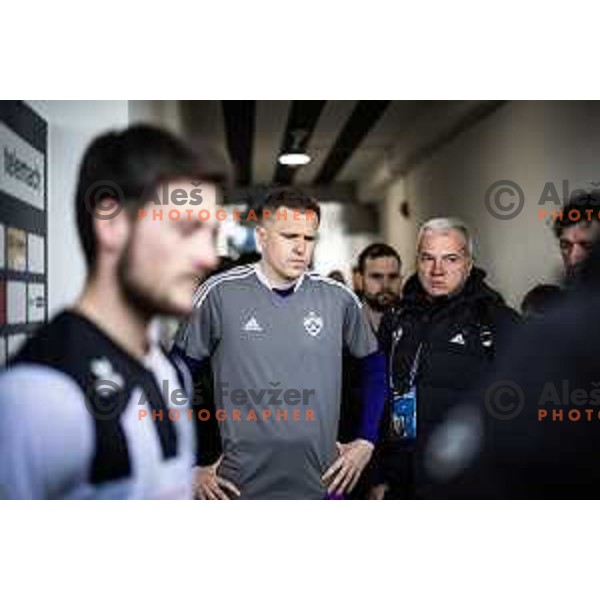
(84, 410)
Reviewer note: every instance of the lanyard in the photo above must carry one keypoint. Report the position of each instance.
(415, 364)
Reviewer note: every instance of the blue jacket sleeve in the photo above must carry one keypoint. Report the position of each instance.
(373, 380)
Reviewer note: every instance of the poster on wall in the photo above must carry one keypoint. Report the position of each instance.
(16, 302)
(36, 302)
(16, 249)
(35, 254)
(23, 224)
(23, 166)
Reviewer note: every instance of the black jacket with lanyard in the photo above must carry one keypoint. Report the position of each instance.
(442, 348)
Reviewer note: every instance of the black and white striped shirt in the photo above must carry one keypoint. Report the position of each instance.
(71, 425)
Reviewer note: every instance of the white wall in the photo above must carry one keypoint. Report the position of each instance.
(337, 249)
(526, 142)
(163, 113)
(398, 231)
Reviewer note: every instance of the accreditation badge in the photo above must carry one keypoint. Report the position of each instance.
(404, 415)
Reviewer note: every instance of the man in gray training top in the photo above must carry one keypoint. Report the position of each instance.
(274, 334)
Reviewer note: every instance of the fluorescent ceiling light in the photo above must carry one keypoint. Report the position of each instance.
(294, 159)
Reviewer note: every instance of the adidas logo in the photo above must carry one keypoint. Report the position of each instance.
(458, 339)
(252, 325)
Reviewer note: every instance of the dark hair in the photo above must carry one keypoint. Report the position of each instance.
(337, 275)
(290, 198)
(377, 250)
(128, 166)
(580, 203)
(539, 299)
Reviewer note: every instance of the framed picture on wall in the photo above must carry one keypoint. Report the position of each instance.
(16, 250)
(23, 223)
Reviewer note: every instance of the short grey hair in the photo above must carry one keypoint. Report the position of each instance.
(445, 224)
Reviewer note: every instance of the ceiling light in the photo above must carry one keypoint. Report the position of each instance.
(294, 159)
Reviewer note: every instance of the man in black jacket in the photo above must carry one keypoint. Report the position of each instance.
(440, 344)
